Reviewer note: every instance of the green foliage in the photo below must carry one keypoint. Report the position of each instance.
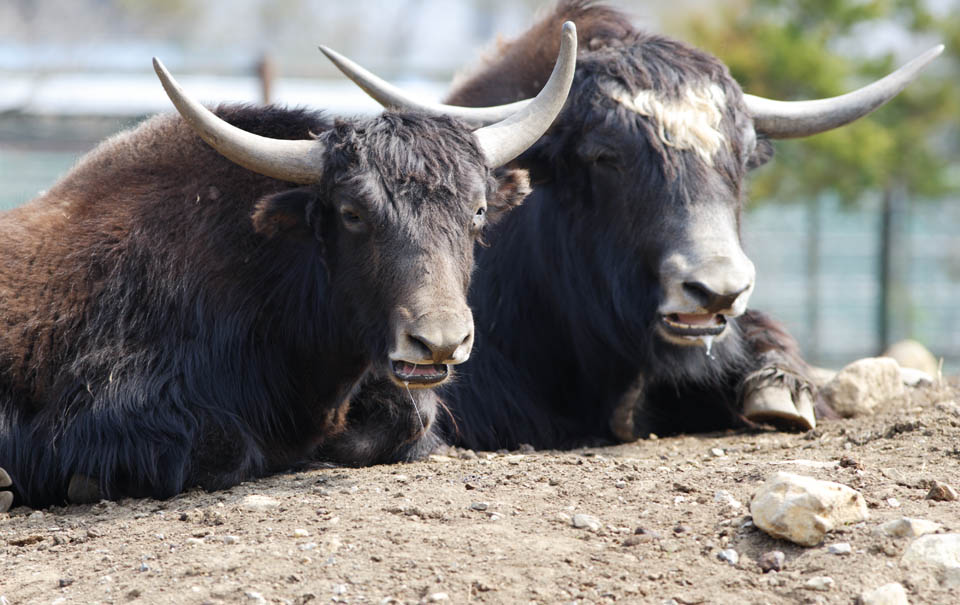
(791, 50)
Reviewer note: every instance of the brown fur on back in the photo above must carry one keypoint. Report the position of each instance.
(519, 68)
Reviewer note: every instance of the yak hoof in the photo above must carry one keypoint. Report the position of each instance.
(83, 490)
(6, 498)
(775, 405)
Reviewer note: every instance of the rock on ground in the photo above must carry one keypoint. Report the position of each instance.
(802, 509)
(938, 552)
(907, 528)
(864, 386)
(911, 354)
(888, 594)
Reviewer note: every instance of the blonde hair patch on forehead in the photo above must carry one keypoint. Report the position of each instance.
(690, 122)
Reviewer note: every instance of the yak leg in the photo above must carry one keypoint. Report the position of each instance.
(780, 392)
(6, 497)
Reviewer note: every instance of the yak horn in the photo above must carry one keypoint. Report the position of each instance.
(507, 130)
(388, 95)
(792, 119)
(294, 161)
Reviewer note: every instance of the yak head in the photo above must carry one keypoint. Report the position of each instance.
(644, 171)
(395, 203)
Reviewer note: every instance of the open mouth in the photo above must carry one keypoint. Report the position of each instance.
(414, 374)
(692, 325)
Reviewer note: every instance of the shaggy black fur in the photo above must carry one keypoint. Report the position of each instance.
(169, 319)
(565, 297)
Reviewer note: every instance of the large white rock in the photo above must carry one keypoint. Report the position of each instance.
(911, 354)
(803, 509)
(864, 386)
(907, 528)
(941, 553)
(888, 594)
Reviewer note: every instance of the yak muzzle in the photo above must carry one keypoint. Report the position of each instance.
(701, 296)
(424, 348)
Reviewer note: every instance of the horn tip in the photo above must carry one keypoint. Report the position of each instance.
(570, 28)
(160, 68)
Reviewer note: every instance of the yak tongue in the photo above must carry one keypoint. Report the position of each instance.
(411, 369)
(704, 319)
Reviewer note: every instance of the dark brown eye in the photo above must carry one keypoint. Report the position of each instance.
(351, 218)
(479, 218)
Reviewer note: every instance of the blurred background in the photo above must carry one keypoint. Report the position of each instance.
(855, 233)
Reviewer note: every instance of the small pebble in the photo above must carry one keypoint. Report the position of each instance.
(258, 503)
(717, 452)
(438, 597)
(819, 583)
(848, 461)
(308, 546)
(893, 502)
(256, 597)
(339, 589)
(669, 546)
(840, 548)
(231, 540)
(300, 533)
(194, 541)
(729, 555)
(481, 506)
(144, 567)
(582, 521)
(64, 582)
(942, 492)
(772, 561)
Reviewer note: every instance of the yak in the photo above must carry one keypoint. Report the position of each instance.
(184, 310)
(613, 303)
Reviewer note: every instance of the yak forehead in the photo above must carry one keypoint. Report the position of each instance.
(688, 122)
(682, 99)
(421, 162)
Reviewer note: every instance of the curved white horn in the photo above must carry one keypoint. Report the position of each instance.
(792, 119)
(506, 139)
(293, 161)
(508, 129)
(388, 95)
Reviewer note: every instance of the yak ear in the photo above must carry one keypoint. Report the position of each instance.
(288, 213)
(513, 186)
(761, 155)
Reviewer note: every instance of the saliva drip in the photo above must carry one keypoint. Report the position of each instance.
(708, 345)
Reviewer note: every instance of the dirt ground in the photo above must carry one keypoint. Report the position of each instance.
(498, 527)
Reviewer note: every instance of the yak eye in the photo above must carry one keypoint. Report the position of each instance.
(607, 158)
(479, 218)
(351, 218)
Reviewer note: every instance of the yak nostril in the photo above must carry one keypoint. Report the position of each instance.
(423, 346)
(698, 291)
(710, 300)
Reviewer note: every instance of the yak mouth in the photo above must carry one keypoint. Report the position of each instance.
(418, 375)
(693, 326)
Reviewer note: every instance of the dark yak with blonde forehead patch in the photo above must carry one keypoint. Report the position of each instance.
(172, 319)
(612, 304)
